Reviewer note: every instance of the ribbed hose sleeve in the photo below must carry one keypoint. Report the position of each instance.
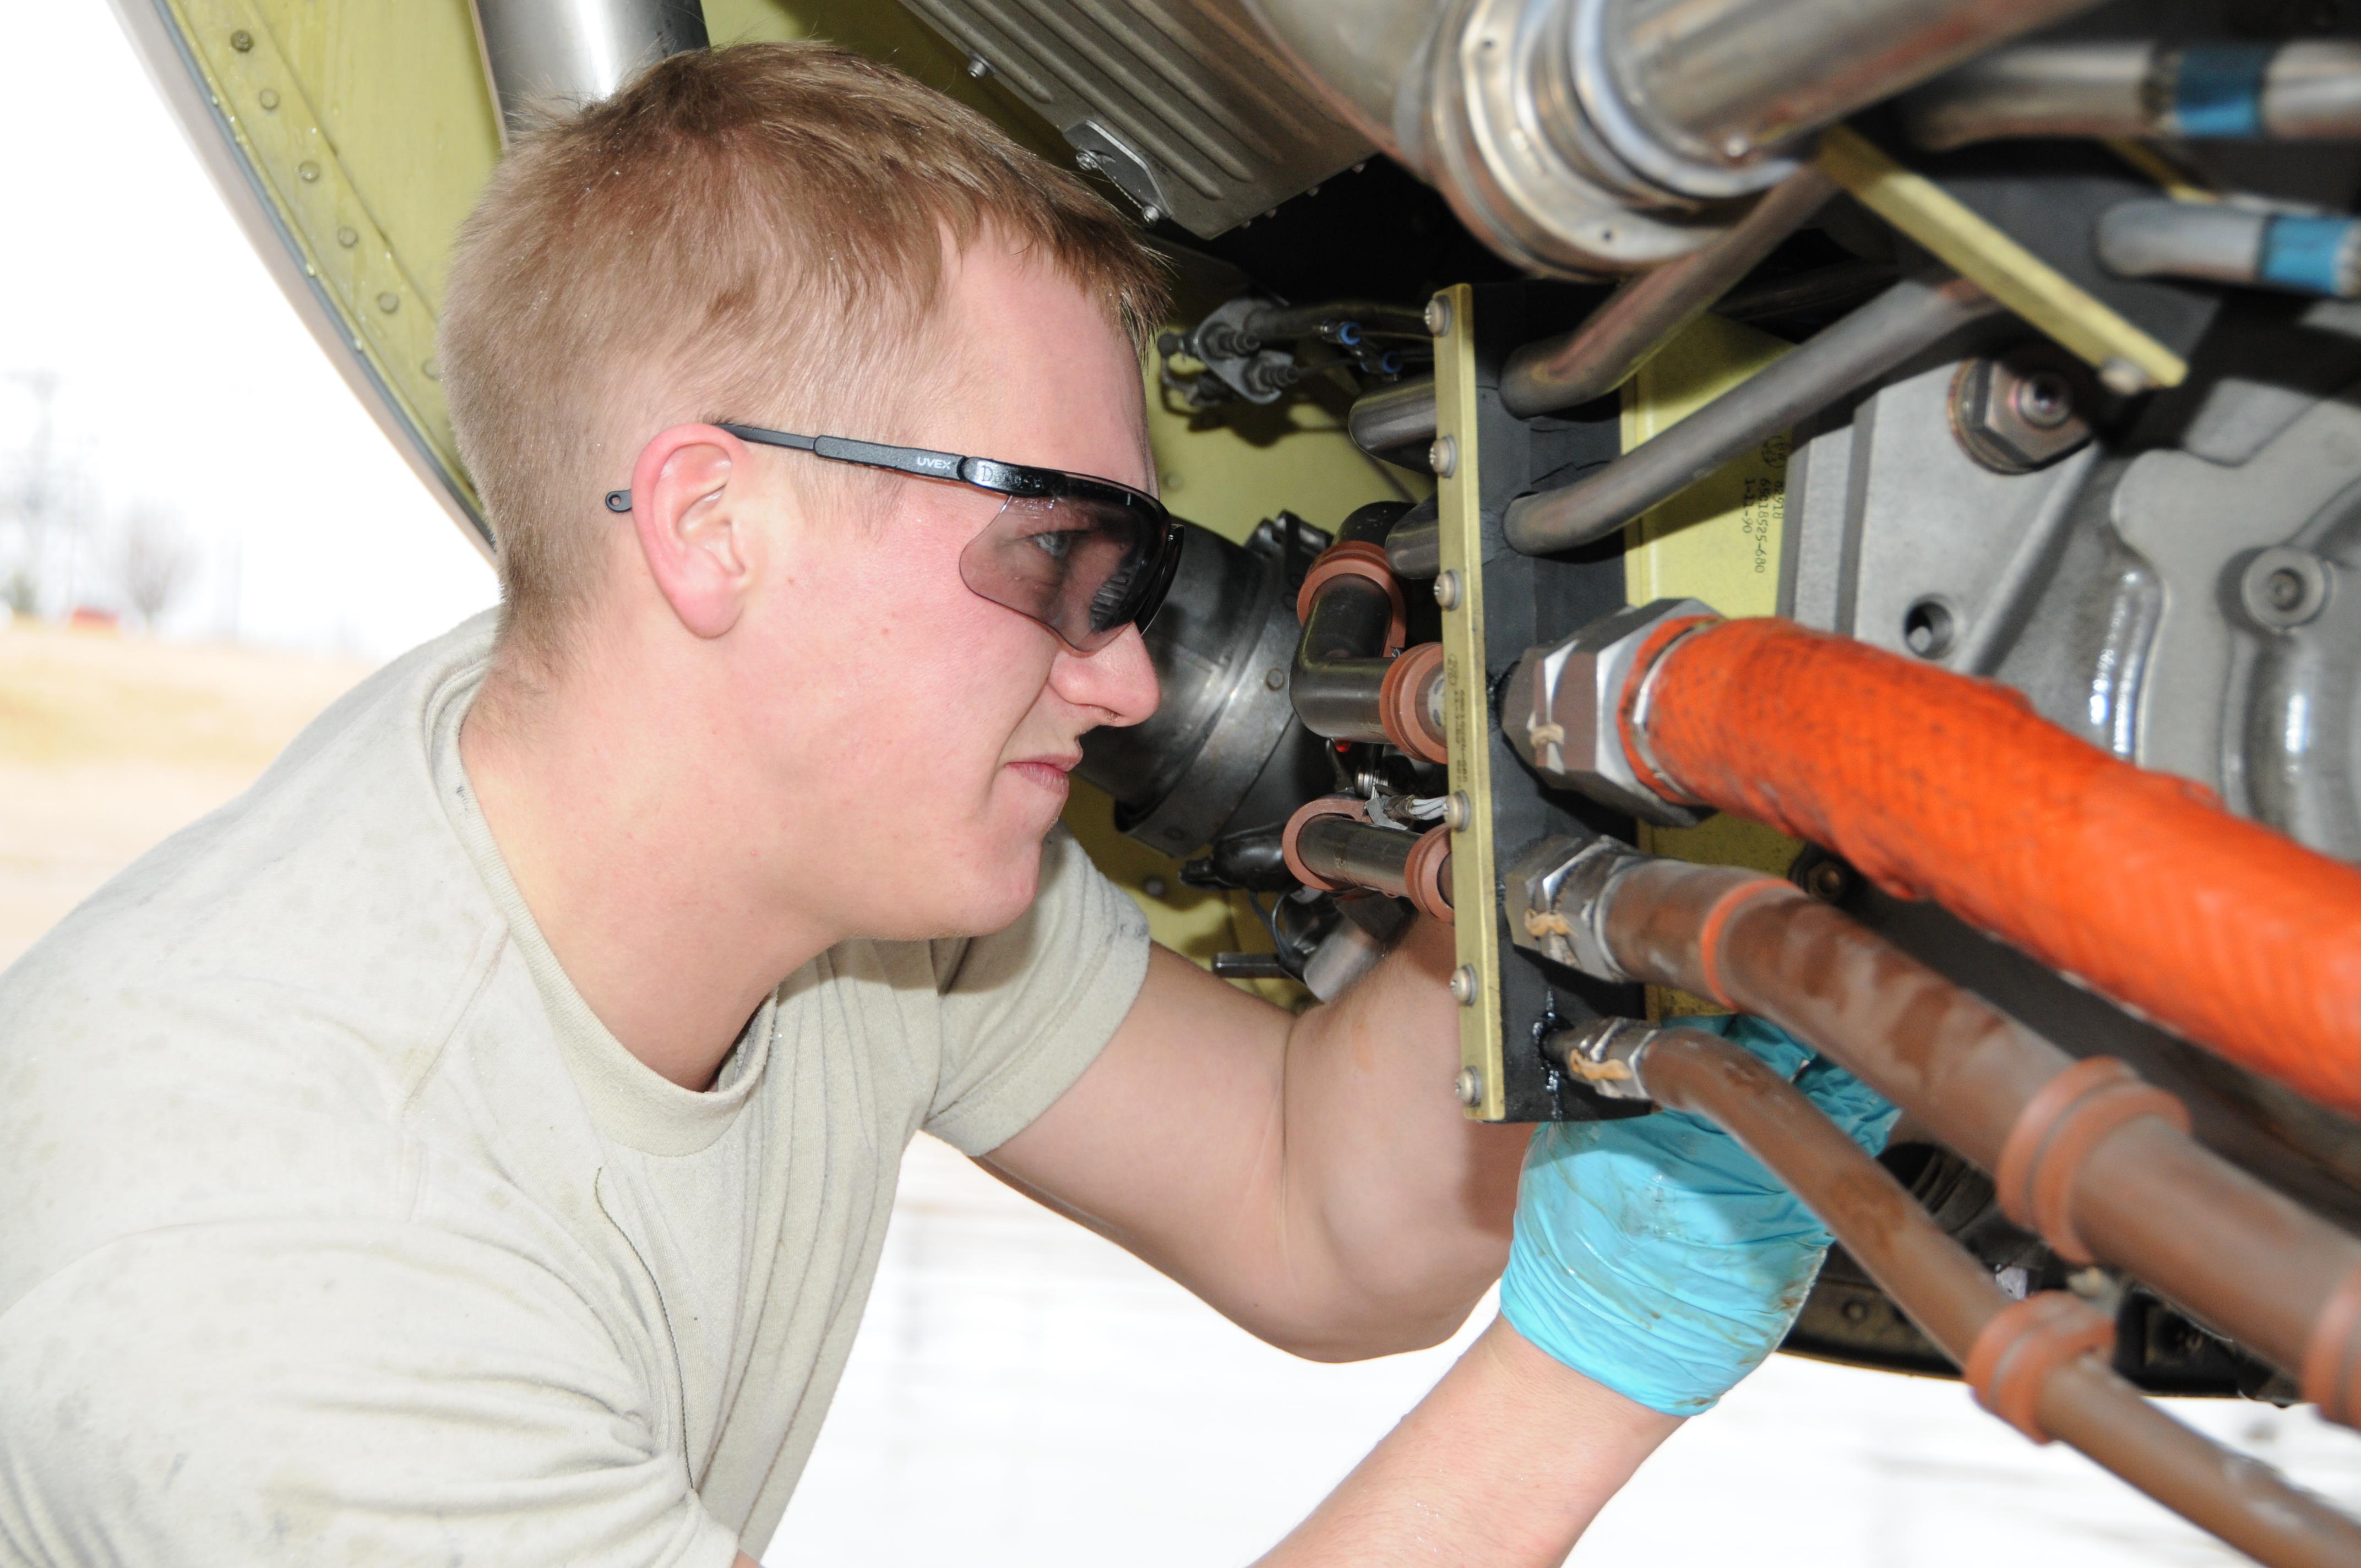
(1937, 786)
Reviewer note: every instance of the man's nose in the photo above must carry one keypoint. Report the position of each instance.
(1119, 681)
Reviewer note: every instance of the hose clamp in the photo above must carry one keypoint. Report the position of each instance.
(1557, 894)
(1604, 1055)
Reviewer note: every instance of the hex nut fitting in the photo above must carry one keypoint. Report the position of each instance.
(1556, 891)
(1559, 710)
(2022, 410)
(1605, 1055)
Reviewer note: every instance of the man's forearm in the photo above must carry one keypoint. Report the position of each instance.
(1505, 1463)
(1410, 1200)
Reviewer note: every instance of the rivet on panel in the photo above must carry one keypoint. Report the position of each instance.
(307, 170)
(347, 236)
(388, 302)
(241, 40)
(433, 369)
(268, 98)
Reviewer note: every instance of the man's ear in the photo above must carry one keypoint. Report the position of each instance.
(689, 492)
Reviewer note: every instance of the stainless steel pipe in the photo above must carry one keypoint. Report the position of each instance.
(2307, 90)
(1904, 321)
(555, 53)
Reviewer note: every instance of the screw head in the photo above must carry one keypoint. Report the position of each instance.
(1150, 216)
(1456, 811)
(1469, 1087)
(1438, 315)
(1463, 985)
(1443, 456)
(1086, 160)
(1153, 886)
(1446, 590)
(1275, 678)
(1826, 882)
(241, 40)
(2044, 400)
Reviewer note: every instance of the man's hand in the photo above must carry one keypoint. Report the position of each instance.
(1311, 1177)
(1658, 1257)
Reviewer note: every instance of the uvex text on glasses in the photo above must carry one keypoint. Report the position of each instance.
(1083, 556)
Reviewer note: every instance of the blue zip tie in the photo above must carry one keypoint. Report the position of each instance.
(2306, 254)
(2217, 90)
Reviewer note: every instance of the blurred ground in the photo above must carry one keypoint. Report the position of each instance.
(1025, 1394)
(108, 743)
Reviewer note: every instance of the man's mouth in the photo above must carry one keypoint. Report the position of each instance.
(1050, 772)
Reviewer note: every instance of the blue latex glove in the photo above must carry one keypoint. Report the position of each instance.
(1656, 1256)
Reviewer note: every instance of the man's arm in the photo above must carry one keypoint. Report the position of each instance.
(1310, 1176)
(1506, 1462)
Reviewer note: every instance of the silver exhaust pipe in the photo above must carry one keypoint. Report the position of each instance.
(1591, 138)
(555, 53)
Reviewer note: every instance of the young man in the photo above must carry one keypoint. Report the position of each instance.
(474, 1144)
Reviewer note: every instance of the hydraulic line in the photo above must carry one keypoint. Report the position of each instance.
(1937, 785)
(1904, 321)
(2302, 90)
(2068, 1393)
(2101, 1165)
(1645, 313)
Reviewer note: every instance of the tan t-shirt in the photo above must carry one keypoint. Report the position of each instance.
(334, 1227)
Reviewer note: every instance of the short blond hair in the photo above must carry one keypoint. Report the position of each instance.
(754, 232)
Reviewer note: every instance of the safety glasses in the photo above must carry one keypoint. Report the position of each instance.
(1085, 556)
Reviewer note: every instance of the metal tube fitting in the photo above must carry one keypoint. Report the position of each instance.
(1904, 321)
(541, 53)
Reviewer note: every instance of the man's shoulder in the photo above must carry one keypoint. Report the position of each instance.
(250, 1003)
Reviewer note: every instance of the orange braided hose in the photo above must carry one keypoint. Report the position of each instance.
(1941, 786)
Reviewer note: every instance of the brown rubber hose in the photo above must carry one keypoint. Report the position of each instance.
(2146, 1197)
(2041, 1380)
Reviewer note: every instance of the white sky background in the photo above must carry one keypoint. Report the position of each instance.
(184, 381)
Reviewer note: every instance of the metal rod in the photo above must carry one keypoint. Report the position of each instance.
(1904, 321)
(1646, 312)
(1953, 1298)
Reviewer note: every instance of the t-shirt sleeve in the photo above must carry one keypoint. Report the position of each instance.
(301, 1392)
(1027, 1009)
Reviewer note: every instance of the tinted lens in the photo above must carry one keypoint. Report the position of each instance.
(1084, 568)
